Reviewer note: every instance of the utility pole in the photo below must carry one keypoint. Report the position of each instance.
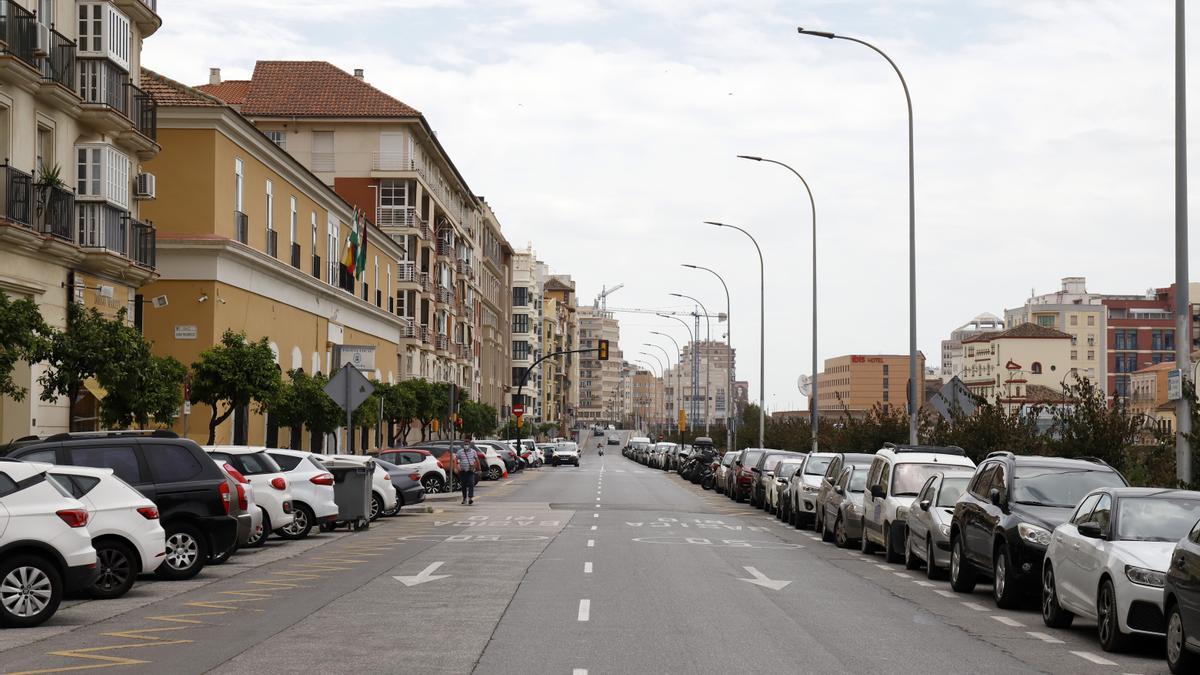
(1183, 313)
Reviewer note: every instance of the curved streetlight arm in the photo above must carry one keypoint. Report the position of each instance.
(913, 389)
(707, 361)
(729, 435)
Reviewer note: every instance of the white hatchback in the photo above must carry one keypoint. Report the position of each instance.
(312, 491)
(40, 512)
(383, 493)
(271, 489)
(126, 533)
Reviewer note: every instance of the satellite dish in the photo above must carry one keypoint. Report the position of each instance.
(804, 382)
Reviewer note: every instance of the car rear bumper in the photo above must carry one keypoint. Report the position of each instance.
(80, 577)
(245, 525)
(412, 495)
(221, 531)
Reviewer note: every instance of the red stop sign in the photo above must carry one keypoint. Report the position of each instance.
(518, 409)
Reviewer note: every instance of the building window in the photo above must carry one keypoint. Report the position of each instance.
(520, 296)
(1074, 319)
(292, 221)
(1074, 354)
(1036, 368)
(322, 151)
(1045, 320)
(520, 349)
(1156, 339)
(1091, 319)
(102, 171)
(277, 137)
(1092, 341)
(237, 185)
(1168, 339)
(520, 323)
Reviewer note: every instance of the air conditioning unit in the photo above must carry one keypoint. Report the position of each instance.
(144, 186)
(42, 43)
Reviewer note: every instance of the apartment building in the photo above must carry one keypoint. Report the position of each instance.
(249, 240)
(75, 130)
(1141, 333)
(855, 383)
(1078, 313)
(650, 407)
(528, 278)
(952, 348)
(717, 368)
(1147, 396)
(560, 328)
(1025, 364)
(495, 308)
(599, 381)
(382, 156)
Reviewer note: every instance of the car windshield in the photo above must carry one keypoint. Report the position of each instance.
(815, 466)
(788, 469)
(858, 481)
(750, 457)
(907, 479)
(951, 489)
(771, 462)
(1056, 486)
(1156, 519)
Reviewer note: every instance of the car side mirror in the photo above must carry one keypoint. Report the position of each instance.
(838, 489)
(994, 497)
(877, 492)
(924, 504)
(1090, 530)
(755, 469)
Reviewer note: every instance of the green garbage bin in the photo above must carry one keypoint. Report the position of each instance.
(352, 490)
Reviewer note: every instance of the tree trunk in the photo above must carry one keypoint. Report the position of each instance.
(212, 427)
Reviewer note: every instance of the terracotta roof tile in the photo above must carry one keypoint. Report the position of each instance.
(169, 93)
(1025, 330)
(309, 89)
(232, 92)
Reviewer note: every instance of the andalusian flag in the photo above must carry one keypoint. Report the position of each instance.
(360, 262)
(351, 255)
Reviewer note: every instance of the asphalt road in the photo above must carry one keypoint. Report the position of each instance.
(608, 568)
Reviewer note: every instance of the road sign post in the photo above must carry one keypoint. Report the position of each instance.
(349, 388)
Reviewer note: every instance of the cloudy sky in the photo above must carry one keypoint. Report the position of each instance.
(604, 132)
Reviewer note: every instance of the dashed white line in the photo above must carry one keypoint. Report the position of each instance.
(587, 568)
(1094, 658)
(591, 543)
(1008, 621)
(884, 567)
(926, 584)
(585, 609)
(946, 594)
(595, 515)
(976, 607)
(1044, 637)
(579, 671)
(904, 575)
(593, 527)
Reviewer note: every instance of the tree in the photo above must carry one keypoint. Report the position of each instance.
(91, 346)
(148, 388)
(399, 408)
(1088, 426)
(301, 401)
(479, 419)
(989, 429)
(23, 337)
(234, 373)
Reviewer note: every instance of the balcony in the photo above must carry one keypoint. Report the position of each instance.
(103, 84)
(406, 272)
(143, 111)
(273, 243)
(58, 66)
(423, 281)
(143, 240)
(103, 226)
(54, 211)
(18, 30)
(316, 266)
(442, 344)
(407, 329)
(296, 255)
(444, 247)
(423, 331)
(392, 161)
(443, 295)
(18, 196)
(396, 216)
(464, 268)
(241, 227)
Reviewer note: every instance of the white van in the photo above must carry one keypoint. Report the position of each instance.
(897, 474)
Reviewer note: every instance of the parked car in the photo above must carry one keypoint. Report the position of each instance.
(128, 538)
(272, 491)
(764, 473)
(743, 473)
(242, 507)
(845, 506)
(1181, 602)
(408, 486)
(833, 471)
(896, 476)
(190, 491)
(927, 540)
(311, 485)
(494, 465)
(383, 493)
(1110, 560)
(45, 547)
(806, 485)
(636, 445)
(783, 472)
(433, 476)
(565, 453)
(725, 471)
(1003, 521)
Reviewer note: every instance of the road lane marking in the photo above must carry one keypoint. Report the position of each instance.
(595, 515)
(593, 527)
(904, 575)
(883, 567)
(977, 608)
(579, 671)
(585, 609)
(946, 594)
(587, 568)
(1007, 621)
(926, 584)
(1098, 660)
(1044, 637)
(591, 543)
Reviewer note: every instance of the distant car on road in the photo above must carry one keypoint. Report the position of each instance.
(566, 453)
(614, 439)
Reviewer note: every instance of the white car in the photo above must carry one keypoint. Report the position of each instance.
(1109, 561)
(783, 472)
(896, 476)
(48, 547)
(806, 485)
(126, 533)
(493, 466)
(565, 453)
(383, 493)
(312, 491)
(271, 489)
(433, 476)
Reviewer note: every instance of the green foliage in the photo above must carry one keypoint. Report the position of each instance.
(1089, 426)
(479, 419)
(989, 429)
(91, 344)
(235, 373)
(147, 388)
(23, 337)
(301, 401)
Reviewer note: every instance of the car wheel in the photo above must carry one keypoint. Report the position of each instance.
(839, 533)
(1053, 615)
(962, 577)
(1004, 587)
(187, 550)
(432, 483)
(911, 561)
(890, 552)
(259, 538)
(866, 546)
(30, 590)
(222, 557)
(494, 472)
(117, 570)
(376, 507)
(1108, 626)
(1179, 658)
(302, 523)
(932, 571)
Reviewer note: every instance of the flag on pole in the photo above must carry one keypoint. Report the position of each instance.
(360, 263)
(349, 257)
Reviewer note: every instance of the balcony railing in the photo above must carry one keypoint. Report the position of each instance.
(18, 30)
(18, 196)
(316, 266)
(464, 267)
(273, 243)
(102, 82)
(396, 216)
(392, 161)
(443, 343)
(54, 210)
(443, 295)
(295, 255)
(423, 281)
(406, 272)
(241, 227)
(444, 248)
(407, 330)
(423, 331)
(103, 226)
(59, 64)
(143, 111)
(142, 243)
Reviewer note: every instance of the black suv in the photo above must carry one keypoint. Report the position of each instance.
(185, 484)
(1003, 520)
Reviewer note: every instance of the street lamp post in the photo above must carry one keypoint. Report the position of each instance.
(666, 371)
(762, 334)
(707, 360)
(729, 435)
(678, 373)
(812, 394)
(913, 392)
(695, 383)
(653, 402)
(662, 369)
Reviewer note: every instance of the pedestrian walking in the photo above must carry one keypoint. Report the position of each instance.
(466, 460)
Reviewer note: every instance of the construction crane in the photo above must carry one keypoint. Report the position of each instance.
(602, 299)
(668, 312)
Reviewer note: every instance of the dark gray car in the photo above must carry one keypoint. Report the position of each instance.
(407, 483)
(844, 508)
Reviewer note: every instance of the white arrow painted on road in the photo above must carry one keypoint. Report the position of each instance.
(424, 575)
(761, 579)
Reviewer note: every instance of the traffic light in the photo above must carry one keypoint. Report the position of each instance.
(603, 350)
